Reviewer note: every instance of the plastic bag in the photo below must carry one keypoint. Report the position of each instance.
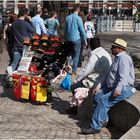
(66, 83)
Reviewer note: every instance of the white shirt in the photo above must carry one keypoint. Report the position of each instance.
(89, 28)
(97, 67)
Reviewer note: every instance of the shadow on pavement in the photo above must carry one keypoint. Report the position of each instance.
(60, 106)
(6, 89)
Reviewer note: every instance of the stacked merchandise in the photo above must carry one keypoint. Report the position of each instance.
(29, 87)
(49, 56)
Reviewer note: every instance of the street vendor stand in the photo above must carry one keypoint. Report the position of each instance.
(42, 60)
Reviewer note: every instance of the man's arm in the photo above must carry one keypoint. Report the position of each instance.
(4, 31)
(88, 68)
(123, 71)
(42, 26)
(82, 30)
(57, 22)
(30, 27)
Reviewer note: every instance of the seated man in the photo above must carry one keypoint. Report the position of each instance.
(94, 71)
(119, 85)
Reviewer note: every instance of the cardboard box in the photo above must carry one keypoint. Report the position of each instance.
(25, 87)
(41, 90)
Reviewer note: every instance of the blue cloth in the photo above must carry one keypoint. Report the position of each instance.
(74, 29)
(66, 83)
(74, 54)
(121, 72)
(51, 25)
(39, 25)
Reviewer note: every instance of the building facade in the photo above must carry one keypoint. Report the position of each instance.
(98, 7)
(15, 5)
(110, 7)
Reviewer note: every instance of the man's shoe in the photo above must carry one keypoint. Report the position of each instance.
(79, 65)
(87, 131)
(72, 110)
(9, 70)
(105, 123)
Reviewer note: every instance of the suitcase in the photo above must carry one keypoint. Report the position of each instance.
(16, 85)
(25, 87)
(41, 90)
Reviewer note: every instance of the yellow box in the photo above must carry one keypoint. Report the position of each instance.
(41, 90)
(25, 81)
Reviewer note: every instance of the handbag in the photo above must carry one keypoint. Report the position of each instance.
(66, 82)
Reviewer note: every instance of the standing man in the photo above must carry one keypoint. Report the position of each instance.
(74, 32)
(20, 29)
(38, 23)
(119, 86)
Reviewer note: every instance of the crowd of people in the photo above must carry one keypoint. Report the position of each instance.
(109, 81)
(77, 33)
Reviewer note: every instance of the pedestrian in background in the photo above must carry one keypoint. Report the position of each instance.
(52, 24)
(7, 35)
(89, 29)
(38, 23)
(74, 32)
(20, 29)
(90, 33)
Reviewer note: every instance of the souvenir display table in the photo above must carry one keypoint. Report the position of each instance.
(42, 60)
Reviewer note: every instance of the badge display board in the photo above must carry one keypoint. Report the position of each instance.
(25, 61)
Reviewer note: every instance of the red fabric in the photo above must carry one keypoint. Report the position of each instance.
(16, 86)
(33, 89)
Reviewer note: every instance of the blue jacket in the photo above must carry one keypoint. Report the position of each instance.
(74, 29)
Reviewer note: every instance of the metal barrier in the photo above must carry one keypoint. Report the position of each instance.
(105, 24)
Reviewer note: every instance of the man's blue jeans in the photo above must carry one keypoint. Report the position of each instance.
(74, 54)
(16, 59)
(104, 100)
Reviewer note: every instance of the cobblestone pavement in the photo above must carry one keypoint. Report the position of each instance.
(22, 119)
(25, 120)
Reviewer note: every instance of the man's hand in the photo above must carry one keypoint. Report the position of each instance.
(75, 81)
(86, 43)
(116, 93)
(95, 90)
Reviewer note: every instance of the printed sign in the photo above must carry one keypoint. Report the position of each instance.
(25, 61)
